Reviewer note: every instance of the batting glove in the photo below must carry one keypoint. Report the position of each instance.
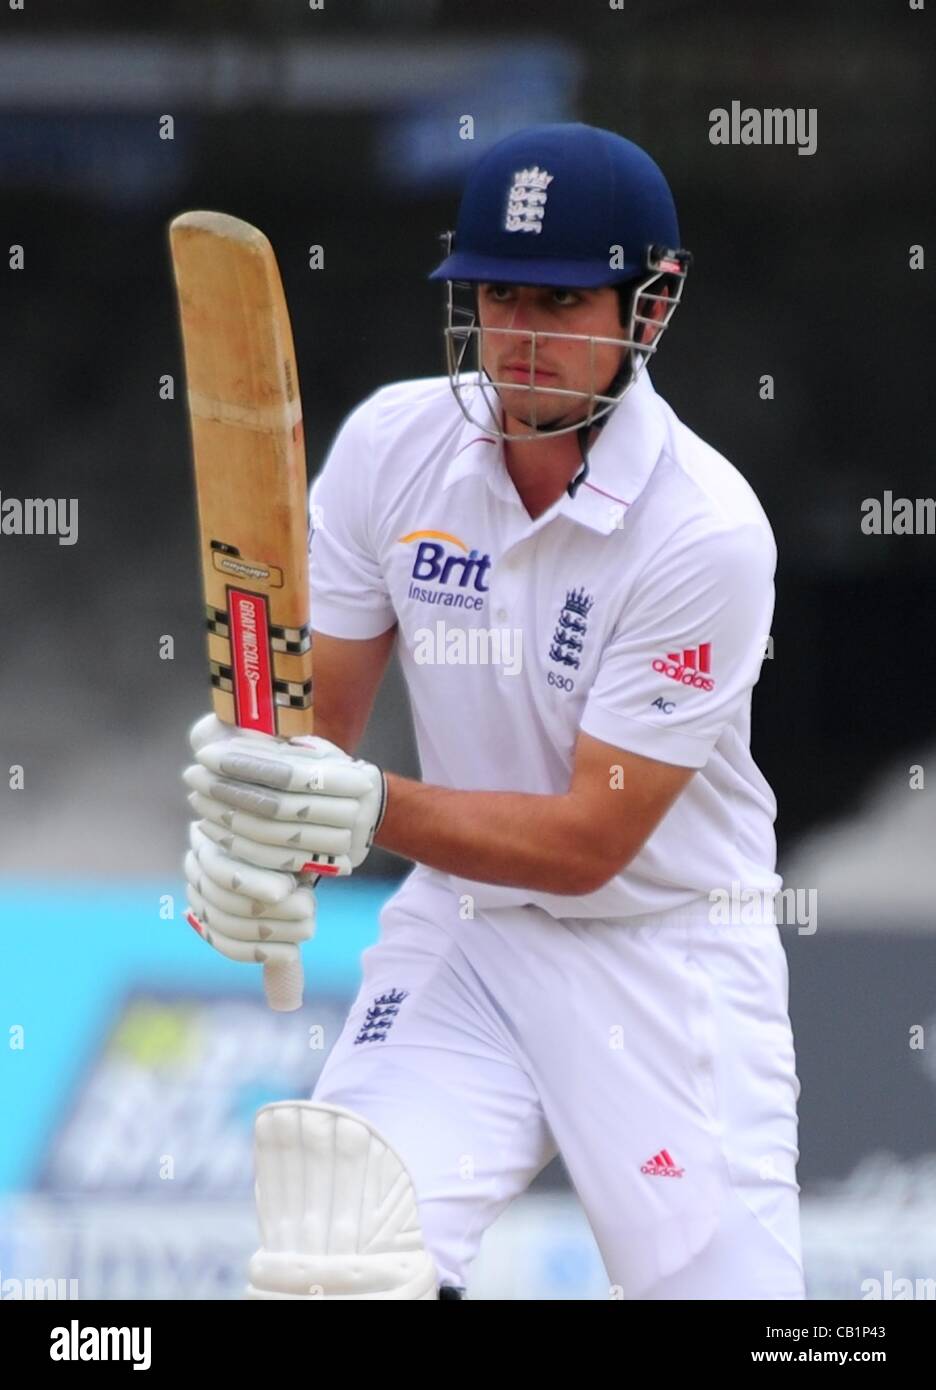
(292, 806)
(247, 914)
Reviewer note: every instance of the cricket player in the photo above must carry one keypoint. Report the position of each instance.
(580, 591)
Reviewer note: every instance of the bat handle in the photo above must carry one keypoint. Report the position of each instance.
(282, 980)
(282, 983)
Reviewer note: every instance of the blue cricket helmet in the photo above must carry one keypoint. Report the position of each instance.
(568, 205)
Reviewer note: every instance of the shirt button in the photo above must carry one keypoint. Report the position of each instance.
(501, 614)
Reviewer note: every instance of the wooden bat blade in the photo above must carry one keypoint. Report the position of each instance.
(247, 439)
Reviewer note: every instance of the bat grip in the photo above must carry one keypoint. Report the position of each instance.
(283, 980)
(282, 983)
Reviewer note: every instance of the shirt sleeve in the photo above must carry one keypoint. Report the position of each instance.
(349, 593)
(687, 649)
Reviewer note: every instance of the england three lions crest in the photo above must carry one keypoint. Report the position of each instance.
(569, 637)
(526, 201)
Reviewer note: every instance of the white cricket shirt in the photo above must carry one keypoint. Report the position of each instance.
(637, 611)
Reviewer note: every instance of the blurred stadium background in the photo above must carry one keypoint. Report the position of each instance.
(128, 1096)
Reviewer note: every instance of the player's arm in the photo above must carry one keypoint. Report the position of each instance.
(346, 677)
(565, 844)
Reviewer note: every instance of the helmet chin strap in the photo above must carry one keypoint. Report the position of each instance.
(620, 379)
(617, 383)
(581, 435)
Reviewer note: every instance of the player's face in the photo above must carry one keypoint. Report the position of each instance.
(571, 366)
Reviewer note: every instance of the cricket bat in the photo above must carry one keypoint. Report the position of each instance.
(250, 472)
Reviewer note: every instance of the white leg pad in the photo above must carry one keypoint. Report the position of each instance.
(336, 1209)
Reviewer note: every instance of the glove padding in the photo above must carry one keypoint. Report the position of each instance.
(291, 806)
(234, 908)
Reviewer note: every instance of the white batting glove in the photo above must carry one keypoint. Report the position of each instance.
(247, 914)
(290, 806)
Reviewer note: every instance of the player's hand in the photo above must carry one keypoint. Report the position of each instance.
(292, 806)
(246, 914)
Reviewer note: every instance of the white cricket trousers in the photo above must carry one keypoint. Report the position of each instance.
(654, 1053)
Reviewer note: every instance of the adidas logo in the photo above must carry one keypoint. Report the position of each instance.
(662, 1166)
(689, 667)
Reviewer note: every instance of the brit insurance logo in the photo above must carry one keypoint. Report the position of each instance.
(446, 571)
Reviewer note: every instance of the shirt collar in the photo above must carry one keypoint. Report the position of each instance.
(619, 462)
(477, 451)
